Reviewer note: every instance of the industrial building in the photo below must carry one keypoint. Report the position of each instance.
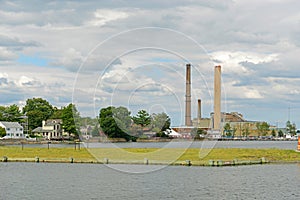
(214, 125)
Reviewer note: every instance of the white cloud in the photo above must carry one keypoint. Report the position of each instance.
(231, 61)
(25, 81)
(252, 94)
(71, 59)
(257, 43)
(103, 16)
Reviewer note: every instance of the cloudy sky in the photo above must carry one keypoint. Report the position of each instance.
(133, 53)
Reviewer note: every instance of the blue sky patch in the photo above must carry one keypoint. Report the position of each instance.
(32, 60)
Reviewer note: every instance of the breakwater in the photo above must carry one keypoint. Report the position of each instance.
(210, 163)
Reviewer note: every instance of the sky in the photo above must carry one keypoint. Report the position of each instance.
(133, 54)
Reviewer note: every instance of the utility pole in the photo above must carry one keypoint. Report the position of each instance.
(289, 113)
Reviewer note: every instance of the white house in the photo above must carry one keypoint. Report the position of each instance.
(13, 130)
(51, 129)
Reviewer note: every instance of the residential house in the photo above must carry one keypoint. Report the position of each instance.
(51, 129)
(13, 130)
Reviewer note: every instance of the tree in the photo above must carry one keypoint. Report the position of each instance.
(234, 131)
(291, 128)
(263, 128)
(37, 110)
(122, 118)
(2, 132)
(70, 118)
(273, 133)
(245, 130)
(2, 111)
(115, 122)
(280, 133)
(227, 130)
(142, 118)
(57, 113)
(160, 123)
(197, 133)
(10, 113)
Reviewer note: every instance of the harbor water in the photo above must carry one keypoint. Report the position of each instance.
(93, 181)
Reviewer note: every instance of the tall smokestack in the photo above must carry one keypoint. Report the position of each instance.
(188, 119)
(217, 98)
(199, 110)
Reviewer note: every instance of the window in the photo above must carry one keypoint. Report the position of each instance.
(17, 134)
(21, 129)
(8, 129)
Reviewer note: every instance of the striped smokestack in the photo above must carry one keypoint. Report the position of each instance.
(217, 98)
(188, 119)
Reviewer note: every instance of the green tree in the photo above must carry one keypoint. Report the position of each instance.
(234, 131)
(70, 118)
(37, 110)
(280, 133)
(10, 113)
(227, 130)
(122, 118)
(85, 121)
(2, 132)
(115, 122)
(245, 130)
(291, 128)
(2, 111)
(142, 118)
(273, 133)
(57, 113)
(160, 123)
(197, 133)
(263, 128)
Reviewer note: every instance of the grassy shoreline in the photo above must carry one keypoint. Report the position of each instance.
(199, 157)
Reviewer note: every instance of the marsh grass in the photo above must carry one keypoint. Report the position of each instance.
(166, 155)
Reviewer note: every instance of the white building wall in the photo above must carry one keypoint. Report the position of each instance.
(13, 133)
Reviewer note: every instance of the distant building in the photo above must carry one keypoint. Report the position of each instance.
(51, 129)
(203, 123)
(238, 124)
(13, 130)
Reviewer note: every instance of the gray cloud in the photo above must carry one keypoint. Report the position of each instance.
(16, 42)
(257, 43)
(3, 81)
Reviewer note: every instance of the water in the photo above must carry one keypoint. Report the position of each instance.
(93, 181)
(182, 144)
(201, 144)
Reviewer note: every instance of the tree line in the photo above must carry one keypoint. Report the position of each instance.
(36, 110)
(115, 122)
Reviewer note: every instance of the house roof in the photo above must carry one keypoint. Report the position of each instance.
(38, 129)
(11, 124)
(51, 122)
